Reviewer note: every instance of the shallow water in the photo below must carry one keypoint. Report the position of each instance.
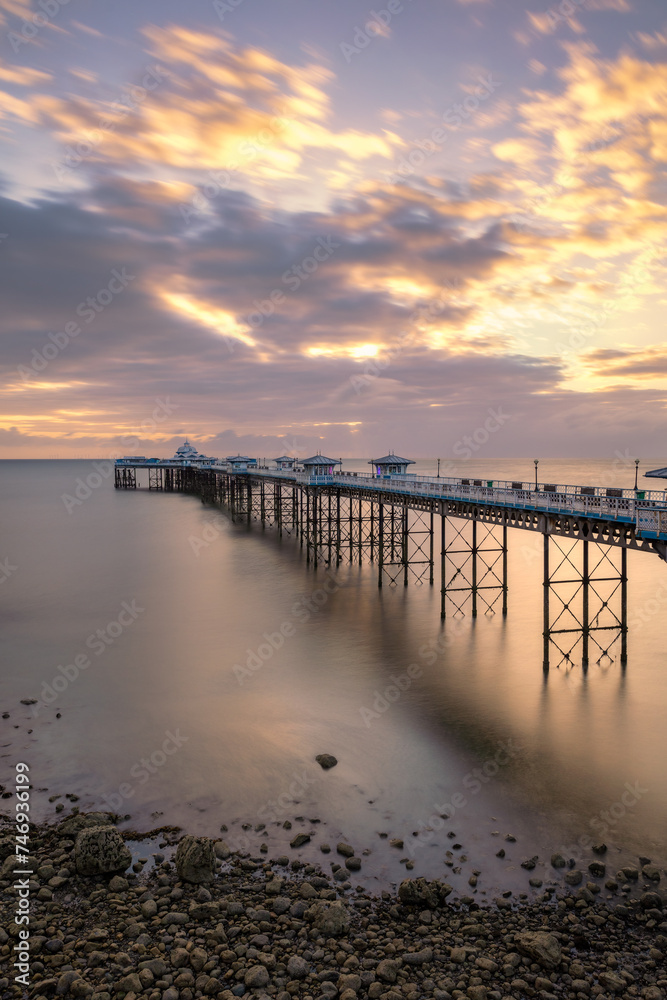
(557, 751)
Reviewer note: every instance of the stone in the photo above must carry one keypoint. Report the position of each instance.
(130, 983)
(651, 872)
(597, 869)
(353, 864)
(612, 982)
(477, 992)
(345, 849)
(326, 760)
(100, 850)
(148, 909)
(195, 859)
(541, 946)
(558, 861)
(418, 957)
(118, 884)
(74, 824)
(387, 970)
(65, 981)
(573, 877)
(297, 967)
(396, 842)
(420, 892)
(300, 840)
(628, 874)
(256, 977)
(599, 848)
(221, 849)
(331, 918)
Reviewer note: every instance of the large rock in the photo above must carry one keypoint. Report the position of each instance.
(326, 760)
(297, 967)
(100, 850)
(541, 946)
(420, 892)
(83, 821)
(330, 918)
(195, 859)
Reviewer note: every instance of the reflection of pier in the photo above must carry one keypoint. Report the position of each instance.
(390, 521)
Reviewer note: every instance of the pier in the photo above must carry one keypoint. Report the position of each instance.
(392, 520)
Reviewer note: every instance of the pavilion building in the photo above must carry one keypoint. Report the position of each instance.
(391, 465)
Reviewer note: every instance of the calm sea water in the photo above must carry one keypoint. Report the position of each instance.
(132, 615)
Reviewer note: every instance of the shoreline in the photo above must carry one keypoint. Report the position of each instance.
(287, 928)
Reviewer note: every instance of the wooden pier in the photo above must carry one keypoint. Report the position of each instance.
(392, 522)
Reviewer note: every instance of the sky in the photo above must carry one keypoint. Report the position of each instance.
(288, 227)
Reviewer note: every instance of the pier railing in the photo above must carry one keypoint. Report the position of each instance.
(647, 509)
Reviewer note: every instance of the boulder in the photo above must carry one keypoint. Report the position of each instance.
(332, 919)
(420, 892)
(82, 821)
(541, 946)
(256, 977)
(100, 850)
(195, 859)
(326, 760)
(297, 967)
(387, 970)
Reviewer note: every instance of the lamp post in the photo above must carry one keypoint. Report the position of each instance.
(636, 472)
(438, 468)
(536, 460)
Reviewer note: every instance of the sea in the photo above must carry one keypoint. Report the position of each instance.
(165, 664)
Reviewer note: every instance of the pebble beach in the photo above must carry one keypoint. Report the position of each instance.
(198, 920)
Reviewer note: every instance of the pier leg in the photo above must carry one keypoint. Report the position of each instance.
(474, 569)
(443, 565)
(380, 542)
(545, 604)
(504, 569)
(624, 607)
(585, 622)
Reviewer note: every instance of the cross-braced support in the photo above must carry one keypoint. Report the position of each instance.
(125, 478)
(473, 566)
(585, 600)
(404, 545)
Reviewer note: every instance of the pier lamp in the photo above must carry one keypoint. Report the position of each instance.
(536, 460)
(636, 471)
(438, 468)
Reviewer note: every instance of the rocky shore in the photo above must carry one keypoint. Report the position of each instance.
(200, 921)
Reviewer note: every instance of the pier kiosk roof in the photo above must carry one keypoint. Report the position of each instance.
(320, 465)
(391, 465)
(240, 463)
(656, 474)
(285, 462)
